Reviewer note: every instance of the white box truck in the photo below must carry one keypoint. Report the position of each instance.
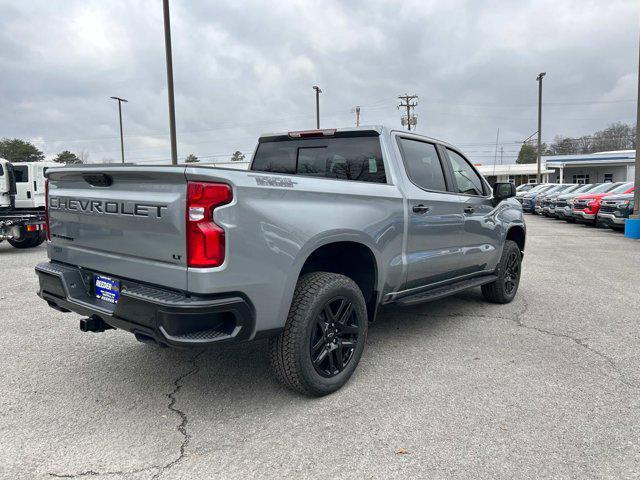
(22, 203)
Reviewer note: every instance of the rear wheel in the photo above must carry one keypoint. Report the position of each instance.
(324, 335)
(30, 240)
(504, 289)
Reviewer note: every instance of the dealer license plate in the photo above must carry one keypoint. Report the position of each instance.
(107, 289)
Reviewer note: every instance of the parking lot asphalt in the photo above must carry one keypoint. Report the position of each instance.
(545, 387)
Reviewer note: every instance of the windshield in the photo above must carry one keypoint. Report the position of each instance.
(542, 188)
(584, 188)
(622, 188)
(603, 187)
(556, 188)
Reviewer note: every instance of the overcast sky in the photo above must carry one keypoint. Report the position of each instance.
(242, 68)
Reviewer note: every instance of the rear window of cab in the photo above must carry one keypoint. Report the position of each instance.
(356, 158)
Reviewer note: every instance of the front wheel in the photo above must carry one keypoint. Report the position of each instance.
(504, 289)
(324, 335)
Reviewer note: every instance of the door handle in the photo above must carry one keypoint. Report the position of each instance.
(469, 209)
(420, 208)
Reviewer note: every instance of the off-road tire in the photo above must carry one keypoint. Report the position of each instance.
(291, 358)
(498, 292)
(30, 240)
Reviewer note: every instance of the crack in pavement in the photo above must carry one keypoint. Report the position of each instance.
(182, 428)
(519, 321)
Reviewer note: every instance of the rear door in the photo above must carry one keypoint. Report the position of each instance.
(128, 221)
(434, 215)
(481, 233)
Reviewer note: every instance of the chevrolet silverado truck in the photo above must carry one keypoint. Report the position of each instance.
(325, 227)
(560, 207)
(614, 210)
(528, 200)
(585, 207)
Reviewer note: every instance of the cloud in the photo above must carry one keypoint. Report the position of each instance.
(242, 68)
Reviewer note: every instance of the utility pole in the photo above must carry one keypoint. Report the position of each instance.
(120, 100)
(357, 110)
(632, 224)
(495, 154)
(409, 119)
(172, 106)
(539, 79)
(318, 92)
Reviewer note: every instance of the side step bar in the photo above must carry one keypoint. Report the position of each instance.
(441, 292)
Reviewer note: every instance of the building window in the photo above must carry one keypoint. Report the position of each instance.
(512, 179)
(608, 177)
(581, 179)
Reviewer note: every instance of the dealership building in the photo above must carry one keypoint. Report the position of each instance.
(618, 166)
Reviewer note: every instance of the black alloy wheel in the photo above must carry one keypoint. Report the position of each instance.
(334, 337)
(512, 272)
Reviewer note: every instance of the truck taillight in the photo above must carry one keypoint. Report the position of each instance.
(205, 239)
(46, 207)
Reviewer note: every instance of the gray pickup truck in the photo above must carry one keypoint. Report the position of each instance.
(327, 226)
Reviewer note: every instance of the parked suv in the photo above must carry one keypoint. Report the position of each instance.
(327, 226)
(615, 209)
(585, 207)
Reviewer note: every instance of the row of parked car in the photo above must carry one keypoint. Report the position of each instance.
(600, 204)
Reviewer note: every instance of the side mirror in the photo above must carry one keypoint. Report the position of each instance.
(503, 190)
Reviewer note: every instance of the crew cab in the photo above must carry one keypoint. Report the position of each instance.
(585, 207)
(327, 226)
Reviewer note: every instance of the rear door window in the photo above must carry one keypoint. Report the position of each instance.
(342, 158)
(21, 173)
(423, 165)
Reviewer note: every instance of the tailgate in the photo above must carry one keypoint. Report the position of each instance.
(126, 221)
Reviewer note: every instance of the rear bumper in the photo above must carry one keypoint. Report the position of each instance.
(169, 317)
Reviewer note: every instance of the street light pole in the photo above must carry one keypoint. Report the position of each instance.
(632, 224)
(318, 92)
(120, 100)
(172, 107)
(539, 79)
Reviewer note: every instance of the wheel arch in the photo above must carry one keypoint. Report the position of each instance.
(352, 258)
(517, 234)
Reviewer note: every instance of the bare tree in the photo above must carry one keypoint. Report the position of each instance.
(83, 156)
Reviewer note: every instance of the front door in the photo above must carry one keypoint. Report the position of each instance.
(481, 233)
(435, 219)
(23, 190)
